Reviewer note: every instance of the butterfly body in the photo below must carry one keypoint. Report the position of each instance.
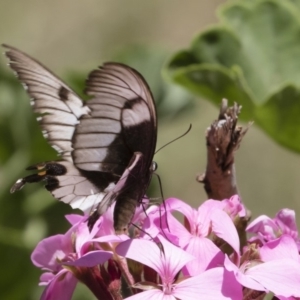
(106, 144)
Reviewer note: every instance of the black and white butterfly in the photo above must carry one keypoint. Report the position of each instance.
(106, 144)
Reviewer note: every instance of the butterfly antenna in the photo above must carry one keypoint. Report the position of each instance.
(165, 207)
(143, 205)
(179, 137)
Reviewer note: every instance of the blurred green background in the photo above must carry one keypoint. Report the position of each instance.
(72, 38)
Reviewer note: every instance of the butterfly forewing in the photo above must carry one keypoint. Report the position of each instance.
(123, 101)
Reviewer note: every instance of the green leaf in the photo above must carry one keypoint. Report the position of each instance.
(277, 116)
(268, 32)
(251, 58)
(215, 83)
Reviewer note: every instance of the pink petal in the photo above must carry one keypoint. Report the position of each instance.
(61, 287)
(282, 277)
(49, 251)
(91, 259)
(177, 230)
(205, 212)
(111, 238)
(283, 247)
(83, 236)
(74, 218)
(249, 282)
(175, 258)
(260, 224)
(180, 206)
(144, 251)
(243, 279)
(149, 223)
(148, 253)
(106, 225)
(233, 206)
(150, 295)
(190, 213)
(210, 285)
(97, 226)
(45, 278)
(287, 219)
(206, 254)
(224, 228)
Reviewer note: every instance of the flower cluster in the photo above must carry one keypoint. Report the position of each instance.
(165, 259)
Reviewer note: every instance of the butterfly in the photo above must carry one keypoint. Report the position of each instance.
(106, 144)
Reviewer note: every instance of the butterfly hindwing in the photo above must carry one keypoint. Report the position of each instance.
(59, 108)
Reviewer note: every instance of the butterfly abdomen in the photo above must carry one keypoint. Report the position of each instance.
(123, 213)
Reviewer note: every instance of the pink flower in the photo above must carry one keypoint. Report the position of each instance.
(268, 229)
(234, 207)
(167, 262)
(277, 270)
(63, 256)
(194, 237)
